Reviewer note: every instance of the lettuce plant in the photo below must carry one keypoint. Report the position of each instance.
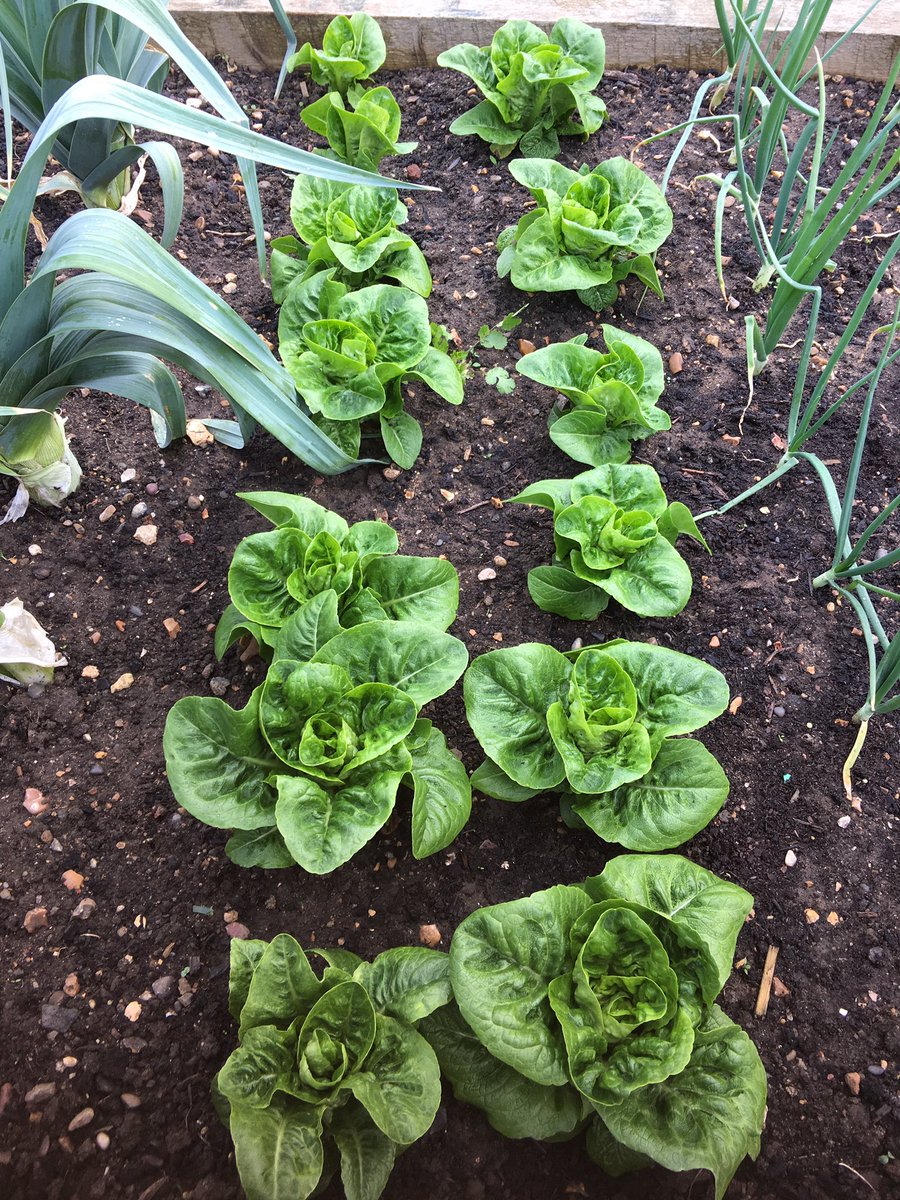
(350, 353)
(589, 230)
(593, 1006)
(330, 1069)
(612, 396)
(361, 130)
(352, 49)
(350, 230)
(296, 586)
(603, 728)
(614, 533)
(535, 87)
(308, 771)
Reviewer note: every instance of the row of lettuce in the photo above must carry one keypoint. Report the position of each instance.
(582, 1010)
(586, 1008)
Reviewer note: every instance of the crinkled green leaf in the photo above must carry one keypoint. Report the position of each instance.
(442, 793)
(707, 1117)
(400, 1086)
(502, 961)
(219, 763)
(407, 982)
(516, 1107)
(680, 794)
(507, 695)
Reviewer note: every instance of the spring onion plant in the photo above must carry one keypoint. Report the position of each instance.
(796, 222)
(855, 568)
(132, 305)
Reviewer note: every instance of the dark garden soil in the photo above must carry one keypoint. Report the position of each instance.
(116, 1010)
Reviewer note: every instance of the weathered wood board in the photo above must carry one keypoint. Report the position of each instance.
(639, 33)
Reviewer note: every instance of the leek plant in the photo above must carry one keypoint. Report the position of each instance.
(134, 305)
(48, 45)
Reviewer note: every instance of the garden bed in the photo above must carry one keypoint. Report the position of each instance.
(161, 886)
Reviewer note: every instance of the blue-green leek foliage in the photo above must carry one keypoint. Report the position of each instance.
(110, 327)
(48, 45)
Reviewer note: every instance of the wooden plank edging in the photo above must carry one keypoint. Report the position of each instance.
(638, 33)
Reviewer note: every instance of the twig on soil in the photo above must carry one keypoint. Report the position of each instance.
(472, 507)
(765, 984)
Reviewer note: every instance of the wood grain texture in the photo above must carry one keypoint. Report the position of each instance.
(638, 33)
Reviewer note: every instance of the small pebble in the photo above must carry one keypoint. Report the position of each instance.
(102, 1140)
(140, 510)
(73, 881)
(429, 935)
(108, 513)
(843, 822)
(676, 364)
(133, 1011)
(152, 489)
(486, 574)
(84, 909)
(130, 1100)
(40, 1093)
(34, 550)
(34, 802)
(219, 685)
(81, 1119)
(172, 627)
(778, 710)
(811, 916)
(853, 1079)
(35, 919)
(790, 859)
(123, 683)
(146, 535)
(236, 930)
(128, 475)
(413, 171)
(162, 987)
(194, 503)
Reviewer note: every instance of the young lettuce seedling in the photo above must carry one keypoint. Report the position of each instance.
(536, 88)
(593, 1007)
(296, 586)
(612, 396)
(330, 1070)
(363, 133)
(351, 231)
(589, 230)
(349, 354)
(615, 536)
(308, 771)
(602, 727)
(352, 50)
